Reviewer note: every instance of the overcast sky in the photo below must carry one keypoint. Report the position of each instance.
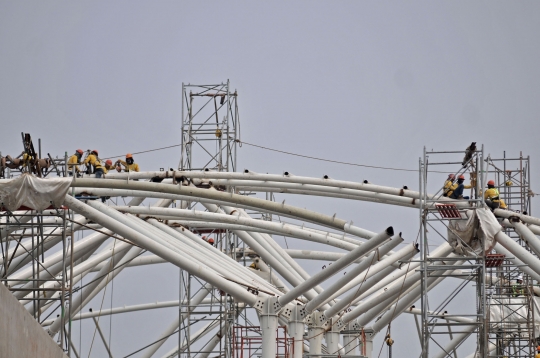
(357, 81)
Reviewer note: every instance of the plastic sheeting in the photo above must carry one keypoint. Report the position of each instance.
(33, 192)
(512, 313)
(466, 236)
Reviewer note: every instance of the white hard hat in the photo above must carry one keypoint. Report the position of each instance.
(520, 278)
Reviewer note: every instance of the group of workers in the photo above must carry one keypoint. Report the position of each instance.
(94, 165)
(454, 190)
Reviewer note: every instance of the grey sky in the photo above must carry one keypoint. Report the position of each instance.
(364, 82)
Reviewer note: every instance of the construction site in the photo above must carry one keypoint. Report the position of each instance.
(464, 278)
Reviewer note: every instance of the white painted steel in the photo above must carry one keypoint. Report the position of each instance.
(195, 301)
(519, 252)
(525, 218)
(337, 266)
(183, 262)
(353, 273)
(528, 236)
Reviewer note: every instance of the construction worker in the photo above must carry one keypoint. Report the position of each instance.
(537, 355)
(93, 164)
(517, 288)
(129, 164)
(109, 166)
(449, 185)
(491, 197)
(73, 160)
(458, 191)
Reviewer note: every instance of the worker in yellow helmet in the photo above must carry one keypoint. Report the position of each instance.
(129, 164)
(74, 160)
(491, 197)
(94, 164)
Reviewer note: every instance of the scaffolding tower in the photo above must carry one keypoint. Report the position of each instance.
(511, 331)
(502, 315)
(26, 234)
(435, 215)
(210, 132)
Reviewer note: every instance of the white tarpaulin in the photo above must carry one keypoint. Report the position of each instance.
(468, 234)
(33, 192)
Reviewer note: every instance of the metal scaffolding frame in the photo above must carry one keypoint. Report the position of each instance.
(512, 179)
(24, 236)
(471, 267)
(494, 275)
(210, 129)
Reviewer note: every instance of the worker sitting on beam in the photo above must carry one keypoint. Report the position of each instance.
(491, 197)
(459, 187)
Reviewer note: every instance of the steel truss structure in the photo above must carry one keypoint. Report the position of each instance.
(246, 295)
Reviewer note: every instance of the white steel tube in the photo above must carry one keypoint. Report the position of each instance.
(186, 247)
(185, 263)
(239, 200)
(195, 301)
(212, 256)
(528, 236)
(337, 266)
(354, 272)
(126, 309)
(519, 252)
(407, 300)
(277, 249)
(521, 266)
(285, 229)
(403, 253)
(88, 292)
(269, 177)
(525, 218)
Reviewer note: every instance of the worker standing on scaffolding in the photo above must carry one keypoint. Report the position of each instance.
(491, 197)
(73, 161)
(93, 164)
(458, 191)
(517, 288)
(449, 185)
(129, 164)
